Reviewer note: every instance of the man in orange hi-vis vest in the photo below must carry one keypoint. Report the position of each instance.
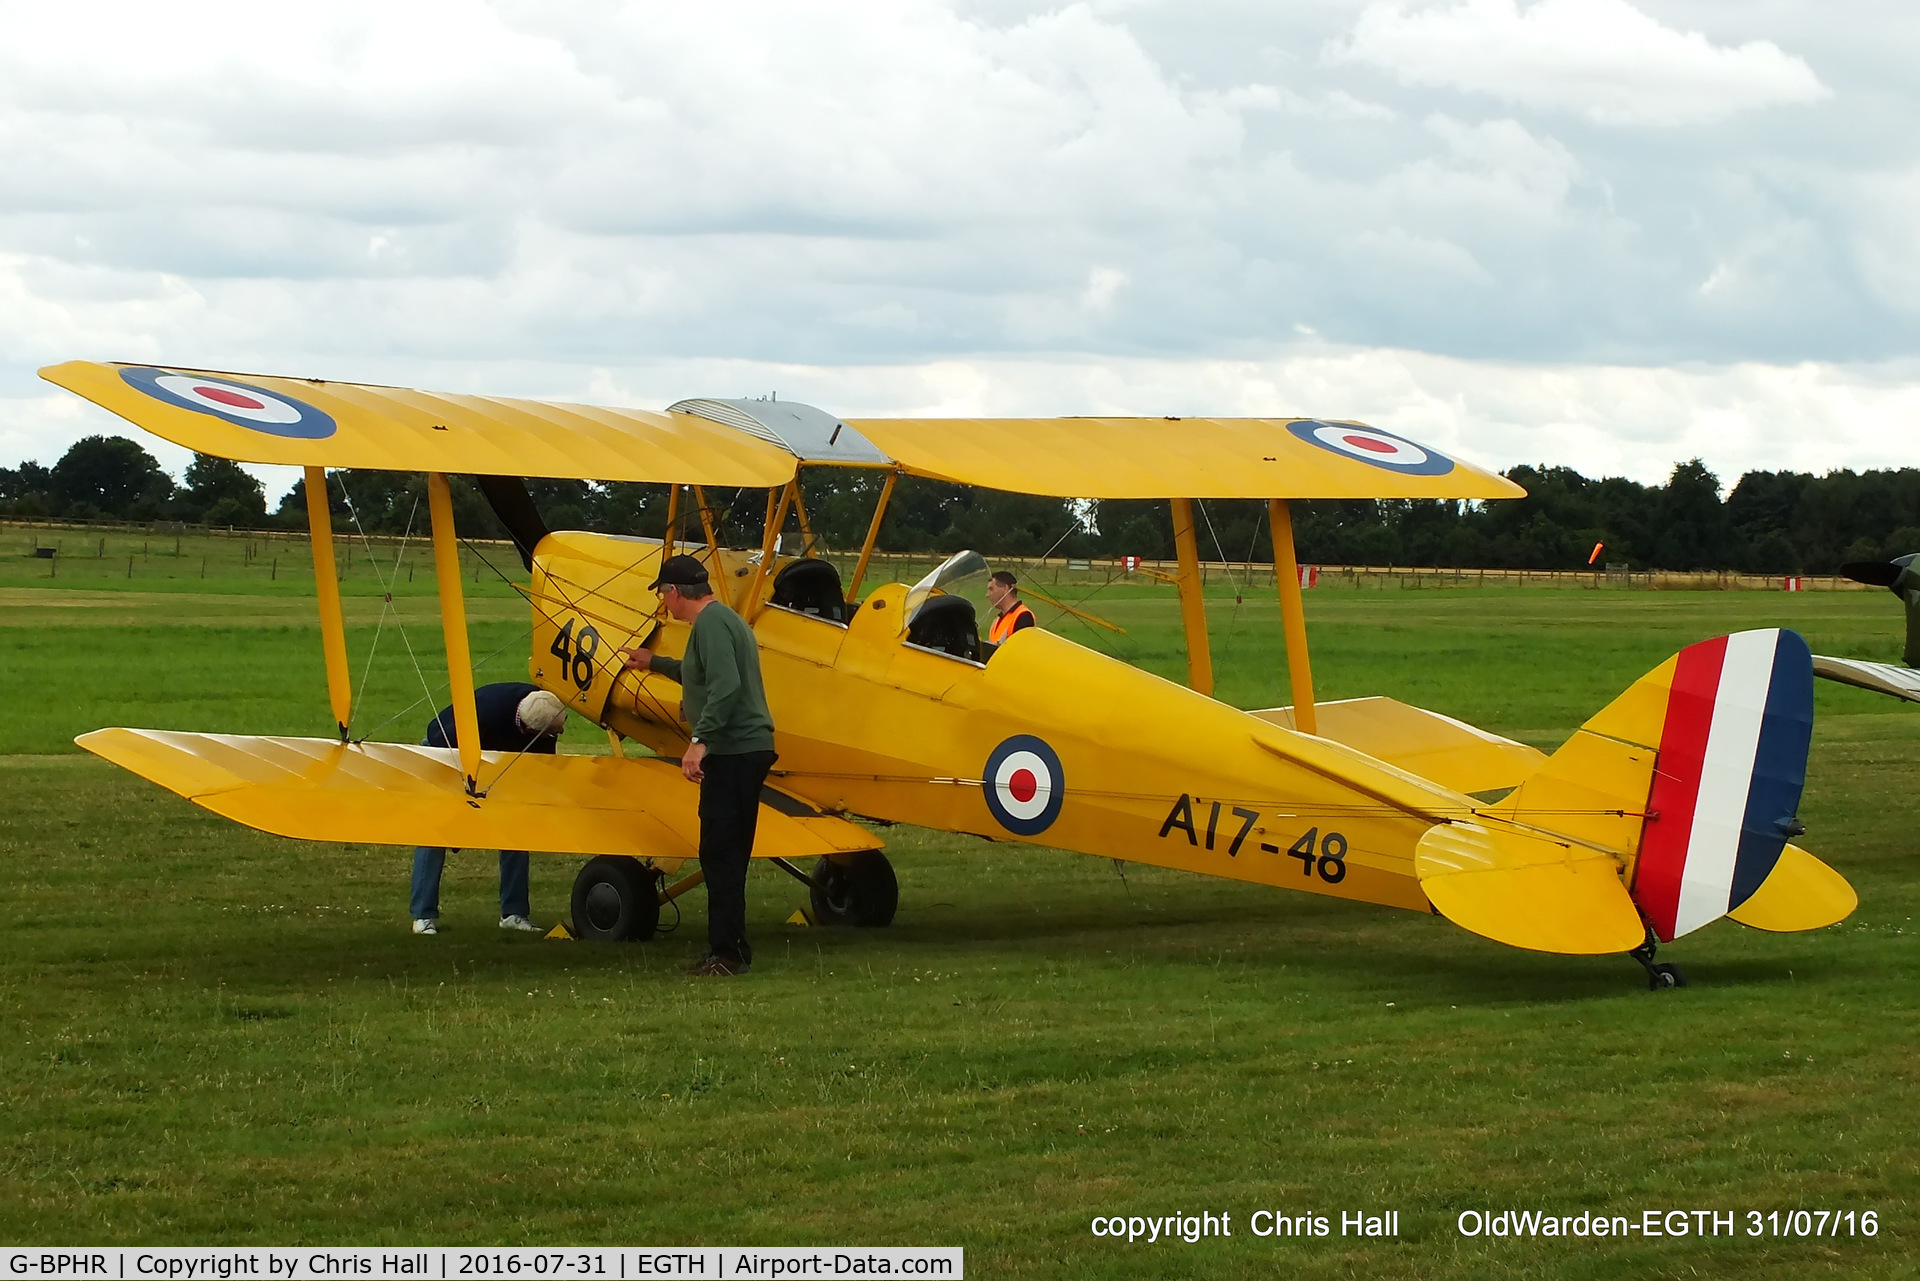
(1010, 613)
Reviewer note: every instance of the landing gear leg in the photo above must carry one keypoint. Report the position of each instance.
(1661, 976)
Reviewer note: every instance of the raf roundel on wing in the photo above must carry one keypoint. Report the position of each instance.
(234, 402)
(1024, 785)
(1372, 446)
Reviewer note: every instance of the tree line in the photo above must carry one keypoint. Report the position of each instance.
(1770, 522)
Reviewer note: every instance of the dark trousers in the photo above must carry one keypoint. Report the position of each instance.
(729, 813)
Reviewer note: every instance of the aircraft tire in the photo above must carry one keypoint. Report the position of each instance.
(616, 899)
(1664, 976)
(860, 891)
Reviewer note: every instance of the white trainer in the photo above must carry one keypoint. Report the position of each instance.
(426, 925)
(520, 923)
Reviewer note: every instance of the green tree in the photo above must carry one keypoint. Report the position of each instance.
(110, 476)
(220, 492)
(1694, 532)
(26, 490)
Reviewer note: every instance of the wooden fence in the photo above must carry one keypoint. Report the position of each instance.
(1058, 569)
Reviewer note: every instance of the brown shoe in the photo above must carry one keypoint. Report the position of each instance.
(714, 965)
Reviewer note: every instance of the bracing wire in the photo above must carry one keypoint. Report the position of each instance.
(1063, 538)
(429, 699)
(386, 606)
(386, 588)
(658, 704)
(1233, 619)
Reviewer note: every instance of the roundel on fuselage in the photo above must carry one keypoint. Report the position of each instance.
(1024, 785)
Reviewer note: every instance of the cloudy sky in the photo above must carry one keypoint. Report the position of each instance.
(1606, 233)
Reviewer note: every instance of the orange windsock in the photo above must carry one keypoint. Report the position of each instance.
(1596, 553)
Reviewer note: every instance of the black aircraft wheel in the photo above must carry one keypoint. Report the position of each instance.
(1663, 976)
(616, 898)
(859, 891)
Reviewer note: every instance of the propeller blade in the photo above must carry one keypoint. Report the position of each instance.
(1875, 573)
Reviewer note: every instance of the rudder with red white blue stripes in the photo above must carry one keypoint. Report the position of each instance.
(1727, 782)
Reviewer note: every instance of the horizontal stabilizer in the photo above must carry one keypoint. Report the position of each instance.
(1881, 678)
(1801, 893)
(1527, 891)
(394, 794)
(1438, 748)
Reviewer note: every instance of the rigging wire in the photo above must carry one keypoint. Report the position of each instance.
(1063, 538)
(386, 606)
(665, 715)
(1233, 619)
(385, 587)
(429, 699)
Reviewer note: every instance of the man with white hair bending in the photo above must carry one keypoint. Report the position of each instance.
(514, 717)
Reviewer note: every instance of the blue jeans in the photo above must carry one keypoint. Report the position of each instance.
(428, 860)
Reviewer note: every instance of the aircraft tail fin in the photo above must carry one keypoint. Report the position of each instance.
(1733, 760)
(1686, 784)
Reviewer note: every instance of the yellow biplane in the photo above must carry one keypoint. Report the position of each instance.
(1672, 807)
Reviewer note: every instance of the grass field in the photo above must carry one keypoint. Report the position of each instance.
(215, 1035)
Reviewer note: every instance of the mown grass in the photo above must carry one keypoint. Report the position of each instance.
(214, 1035)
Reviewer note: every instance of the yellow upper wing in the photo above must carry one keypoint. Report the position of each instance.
(1179, 457)
(312, 423)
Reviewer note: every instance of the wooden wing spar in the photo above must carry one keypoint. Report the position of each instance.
(315, 423)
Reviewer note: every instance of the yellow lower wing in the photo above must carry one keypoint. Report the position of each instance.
(1800, 893)
(393, 794)
(1528, 891)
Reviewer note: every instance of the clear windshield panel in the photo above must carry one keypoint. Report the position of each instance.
(961, 574)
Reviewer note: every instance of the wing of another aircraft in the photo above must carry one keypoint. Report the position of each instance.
(393, 794)
(1881, 678)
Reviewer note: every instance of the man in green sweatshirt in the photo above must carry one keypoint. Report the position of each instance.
(731, 751)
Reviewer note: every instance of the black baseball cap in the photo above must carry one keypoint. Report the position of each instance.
(680, 571)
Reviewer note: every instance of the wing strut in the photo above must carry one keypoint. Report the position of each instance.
(873, 536)
(326, 582)
(453, 624)
(706, 527)
(1293, 614)
(673, 523)
(750, 603)
(1193, 609)
(807, 541)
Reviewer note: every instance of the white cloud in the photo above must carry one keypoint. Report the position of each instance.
(507, 196)
(1884, 243)
(1102, 284)
(1603, 59)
